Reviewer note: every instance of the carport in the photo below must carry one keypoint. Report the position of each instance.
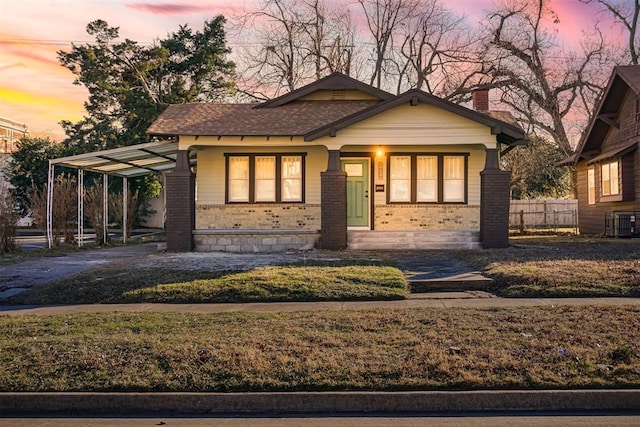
(126, 162)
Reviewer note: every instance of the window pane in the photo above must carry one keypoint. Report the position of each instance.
(615, 188)
(291, 178)
(400, 178)
(427, 179)
(610, 179)
(591, 184)
(265, 179)
(239, 179)
(453, 185)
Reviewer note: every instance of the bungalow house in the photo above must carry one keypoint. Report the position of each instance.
(608, 160)
(337, 164)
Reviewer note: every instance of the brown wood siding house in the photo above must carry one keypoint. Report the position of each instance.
(336, 164)
(608, 160)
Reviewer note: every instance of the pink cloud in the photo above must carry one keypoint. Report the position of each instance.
(169, 8)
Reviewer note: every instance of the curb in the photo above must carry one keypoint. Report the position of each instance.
(305, 402)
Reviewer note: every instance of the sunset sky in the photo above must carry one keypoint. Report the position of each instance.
(36, 90)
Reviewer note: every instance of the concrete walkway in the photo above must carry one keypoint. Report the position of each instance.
(439, 300)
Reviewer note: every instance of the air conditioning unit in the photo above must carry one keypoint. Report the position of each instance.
(624, 224)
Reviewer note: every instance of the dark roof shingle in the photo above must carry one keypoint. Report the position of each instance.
(294, 118)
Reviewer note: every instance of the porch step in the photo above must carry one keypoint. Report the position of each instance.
(397, 240)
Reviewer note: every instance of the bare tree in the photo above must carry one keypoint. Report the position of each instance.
(627, 14)
(541, 83)
(383, 19)
(64, 211)
(8, 219)
(545, 86)
(436, 47)
(295, 42)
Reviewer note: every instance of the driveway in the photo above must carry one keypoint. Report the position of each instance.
(17, 277)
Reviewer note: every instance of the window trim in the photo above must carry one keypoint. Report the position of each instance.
(591, 185)
(278, 178)
(608, 194)
(440, 178)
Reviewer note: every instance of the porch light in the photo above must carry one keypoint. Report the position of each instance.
(379, 152)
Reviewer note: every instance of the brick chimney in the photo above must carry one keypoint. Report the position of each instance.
(481, 100)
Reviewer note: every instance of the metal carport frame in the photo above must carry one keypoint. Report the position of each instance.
(126, 162)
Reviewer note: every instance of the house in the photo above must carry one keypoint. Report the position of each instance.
(607, 159)
(336, 164)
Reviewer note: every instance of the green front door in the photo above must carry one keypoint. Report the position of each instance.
(357, 192)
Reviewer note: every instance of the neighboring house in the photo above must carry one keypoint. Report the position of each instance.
(10, 132)
(608, 159)
(337, 164)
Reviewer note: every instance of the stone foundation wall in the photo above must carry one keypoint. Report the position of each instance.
(427, 217)
(258, 217)
(254, 240)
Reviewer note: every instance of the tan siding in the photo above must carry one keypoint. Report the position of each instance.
(328, 95)
(210, 179)
(419, 125)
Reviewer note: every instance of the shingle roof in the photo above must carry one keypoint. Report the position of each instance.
(294, 118)
(623, 79)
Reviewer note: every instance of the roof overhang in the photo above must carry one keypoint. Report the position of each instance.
(618, 151)
(128, 162)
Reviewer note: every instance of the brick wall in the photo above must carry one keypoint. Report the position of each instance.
(259, 217)
(427, 217)
(494, 211)
(255, 240)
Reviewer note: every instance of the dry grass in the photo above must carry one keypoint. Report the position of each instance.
(123, 284)
(562, 266)
(538, 348)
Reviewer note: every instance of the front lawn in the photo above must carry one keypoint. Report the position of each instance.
(126, 284)
(564, 347)
(567, 266)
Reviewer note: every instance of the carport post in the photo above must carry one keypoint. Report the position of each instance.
(105, 207)
(49, 215)
(125, 197)
(80, 207)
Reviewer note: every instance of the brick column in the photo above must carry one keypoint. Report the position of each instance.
(494, 203)
(333, 211)
(181, 212)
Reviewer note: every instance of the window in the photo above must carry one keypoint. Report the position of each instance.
(238, 179)
(400, 179)
(427, 179)
(435, 178)
(292, 178)
(265, 178)
(453, 188)
(610, 179)
(591, 186)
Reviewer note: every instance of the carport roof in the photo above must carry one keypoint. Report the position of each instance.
(131, 161)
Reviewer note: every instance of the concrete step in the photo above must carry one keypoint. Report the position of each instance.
(397, 240)
(471, 281)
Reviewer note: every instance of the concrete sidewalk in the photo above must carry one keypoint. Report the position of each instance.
(441, 300)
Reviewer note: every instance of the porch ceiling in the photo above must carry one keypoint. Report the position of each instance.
(131, 161)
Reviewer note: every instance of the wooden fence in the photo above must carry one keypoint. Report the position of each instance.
(544, 213)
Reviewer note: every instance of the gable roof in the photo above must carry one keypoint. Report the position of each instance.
(334, 81)
(623, 79)
(290, 116)
(509, 132)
